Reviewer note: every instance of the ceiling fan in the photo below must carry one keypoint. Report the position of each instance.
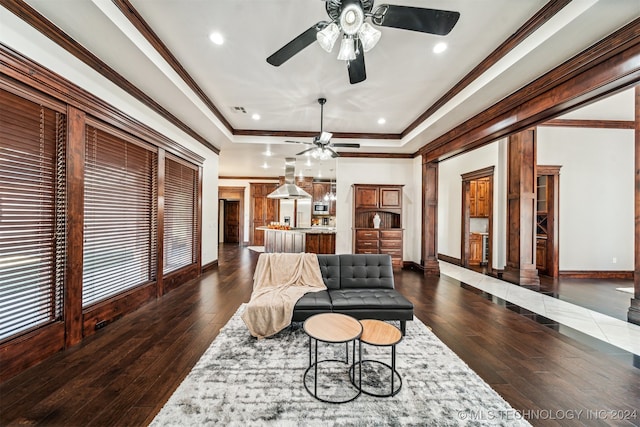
(348, 17)
(322, 145)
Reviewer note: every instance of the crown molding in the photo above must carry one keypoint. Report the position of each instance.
(48, 29)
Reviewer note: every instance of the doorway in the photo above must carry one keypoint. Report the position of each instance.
(231, 215)
(477, 220)
(547, 197)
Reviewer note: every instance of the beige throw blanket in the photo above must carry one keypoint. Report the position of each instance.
(279, 281)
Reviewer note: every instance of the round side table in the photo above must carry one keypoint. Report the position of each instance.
(380, 334)
(333, 328)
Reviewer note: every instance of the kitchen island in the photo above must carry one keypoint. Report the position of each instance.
(318, 240)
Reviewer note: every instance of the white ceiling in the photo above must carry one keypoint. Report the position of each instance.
(404, 76)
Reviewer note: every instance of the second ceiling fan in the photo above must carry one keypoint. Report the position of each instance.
(322, 147)
(348, 18)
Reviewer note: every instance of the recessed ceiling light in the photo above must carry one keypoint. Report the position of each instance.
(381, 121)
(268, 152)
(440, 47)
(265, 165)
(216, 38)
(255, 116)
(308, 162)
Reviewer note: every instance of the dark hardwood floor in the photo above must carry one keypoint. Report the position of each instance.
(122, 375)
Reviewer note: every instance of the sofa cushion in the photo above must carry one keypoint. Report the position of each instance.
(330, 270)
(311, 303)
(314, 300)
(365, 299)
(366, 271)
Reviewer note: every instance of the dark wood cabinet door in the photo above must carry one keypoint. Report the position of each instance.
(473, 192)
(366, 197)
(263, 211)
(319, 190)
(390, 197)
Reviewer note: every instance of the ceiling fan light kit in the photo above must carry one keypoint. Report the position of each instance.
(347, 49)
(348, 18)
(322, 147)
(327, 37)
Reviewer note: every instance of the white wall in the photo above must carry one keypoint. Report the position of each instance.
(351, 171)
(596, 221)
(18, 35)
(450, 199)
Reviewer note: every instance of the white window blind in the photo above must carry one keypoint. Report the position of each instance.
(32, 235)
(180, 197)
(119, 216)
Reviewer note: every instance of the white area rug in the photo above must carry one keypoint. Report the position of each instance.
(627, 290)
(240, 381)
(256, 248)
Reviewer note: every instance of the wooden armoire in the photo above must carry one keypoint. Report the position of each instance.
(386, 201)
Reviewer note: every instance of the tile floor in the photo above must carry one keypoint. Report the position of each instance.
(616, 332)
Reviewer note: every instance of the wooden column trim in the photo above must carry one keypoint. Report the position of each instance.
(521, 209)
(430, 219)
(75, 225)
(160, 223)
(198, 236)
(633, 314)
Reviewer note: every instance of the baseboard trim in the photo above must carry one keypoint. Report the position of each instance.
(412, 265)
(450, 259)
(210, 266)
(608, 274)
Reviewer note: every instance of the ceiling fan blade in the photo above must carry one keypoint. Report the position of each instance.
(345, 145)
(333, 153)
(305, 151)
(357, 71)
(296, 45)
(299, 142)
(325, 137)
(432, 21)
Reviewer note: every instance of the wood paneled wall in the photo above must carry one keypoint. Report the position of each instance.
(28, 79)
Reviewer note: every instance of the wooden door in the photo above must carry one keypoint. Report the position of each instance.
(232, 221)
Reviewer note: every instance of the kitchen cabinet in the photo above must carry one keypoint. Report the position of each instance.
(479, 198)
(541, 254)
(475, 249)
(320, 243)
(320, 189)
(263, 211)
(386, 202)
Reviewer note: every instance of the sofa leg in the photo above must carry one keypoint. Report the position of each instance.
(403, 327)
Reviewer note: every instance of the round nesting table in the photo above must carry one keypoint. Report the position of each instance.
(380, 334)
(333, 328)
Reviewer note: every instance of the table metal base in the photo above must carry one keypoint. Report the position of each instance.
(314, 363)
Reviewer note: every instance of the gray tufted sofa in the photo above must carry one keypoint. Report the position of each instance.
(360, 285)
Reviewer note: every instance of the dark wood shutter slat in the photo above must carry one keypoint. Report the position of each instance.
(119, 246)
(30, 295)
(179, 215)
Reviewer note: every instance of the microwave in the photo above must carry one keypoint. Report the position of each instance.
(321, 208)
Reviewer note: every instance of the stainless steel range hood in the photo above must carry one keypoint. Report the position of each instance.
(289, 190)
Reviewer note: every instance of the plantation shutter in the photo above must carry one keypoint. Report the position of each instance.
(180, 197)
(32, 235)
(119, 216)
